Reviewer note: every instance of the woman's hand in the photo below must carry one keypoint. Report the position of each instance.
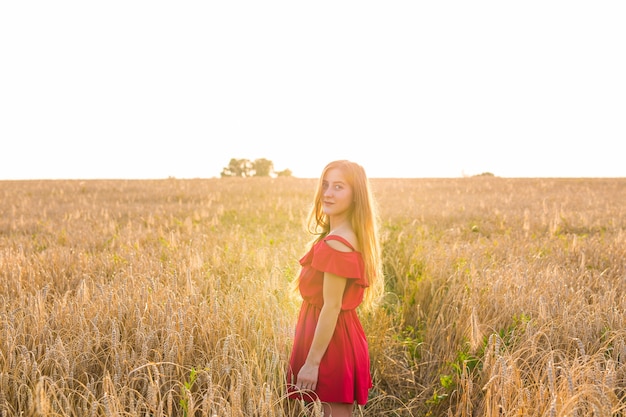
(307, 377)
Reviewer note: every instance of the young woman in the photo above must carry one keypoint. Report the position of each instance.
(330, 358)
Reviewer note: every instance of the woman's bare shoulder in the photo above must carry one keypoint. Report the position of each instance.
(348, 235)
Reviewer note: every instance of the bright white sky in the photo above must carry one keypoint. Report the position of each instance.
(151, 89)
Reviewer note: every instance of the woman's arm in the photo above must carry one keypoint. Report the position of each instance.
(333, 288)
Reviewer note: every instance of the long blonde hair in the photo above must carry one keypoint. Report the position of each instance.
(364, 220)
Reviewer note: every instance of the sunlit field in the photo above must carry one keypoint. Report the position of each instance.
(505, 297)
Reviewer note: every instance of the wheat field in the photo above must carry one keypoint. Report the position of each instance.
(505, 297)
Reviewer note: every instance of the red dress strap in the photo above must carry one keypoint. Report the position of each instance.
(340, 239)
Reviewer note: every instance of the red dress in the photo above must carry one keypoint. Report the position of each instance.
(344, 371)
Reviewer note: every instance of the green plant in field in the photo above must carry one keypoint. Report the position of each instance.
(436, 399)
(464, 361)
(185, 391)
(412, 338)
(513, 330)
(442, 392)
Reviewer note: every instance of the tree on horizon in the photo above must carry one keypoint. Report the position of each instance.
(261, 167)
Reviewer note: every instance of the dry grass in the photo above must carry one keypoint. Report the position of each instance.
(175, 297)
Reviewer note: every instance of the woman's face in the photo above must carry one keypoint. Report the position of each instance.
(336, 193)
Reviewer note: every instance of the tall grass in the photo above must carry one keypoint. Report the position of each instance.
(176, 297)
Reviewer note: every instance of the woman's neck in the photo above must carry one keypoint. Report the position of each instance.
(339, 224)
